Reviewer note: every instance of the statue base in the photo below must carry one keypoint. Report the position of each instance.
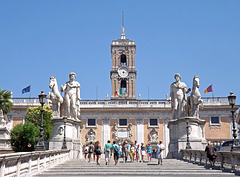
(183, 129)
(73, 136)
(5, 144)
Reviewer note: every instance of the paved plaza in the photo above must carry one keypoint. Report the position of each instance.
(170, 167)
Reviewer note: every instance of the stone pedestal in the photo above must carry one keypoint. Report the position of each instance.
(178, 135)
(5, 127)
(73, 136)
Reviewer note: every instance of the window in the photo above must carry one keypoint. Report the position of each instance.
(215, 120)
(123, 60)
(91, 122)
(123, 89)
(122, 122)
(153, 122)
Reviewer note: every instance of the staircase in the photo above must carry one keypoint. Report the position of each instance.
(170, 167)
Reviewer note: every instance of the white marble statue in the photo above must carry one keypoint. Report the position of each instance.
(178, 91)
(129, 129)
(91, 135)
(55, 97)
(72, 96)
(153, 135)
(195, 98)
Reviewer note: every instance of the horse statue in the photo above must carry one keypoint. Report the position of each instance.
(55, 97)
(194, 99)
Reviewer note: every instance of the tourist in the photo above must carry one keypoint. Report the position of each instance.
(135, 147)
(120, 150)
(90, 151)
(107, 151)
(132, 152)
(149, 152)
(138, 152)
(94, 152)
(125, 151)
(143, 152)
(98, 152)
(85, 152)
(159, 152)
(211, 154)
(115, 148)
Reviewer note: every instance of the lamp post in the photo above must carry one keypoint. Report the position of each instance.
(188, 146)
(232, 101)
(64, 146)
(40, 145)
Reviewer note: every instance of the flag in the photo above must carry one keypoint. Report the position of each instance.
(27, 89)
(209, 89)
(119, 92)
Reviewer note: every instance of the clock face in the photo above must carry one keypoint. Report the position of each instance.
(123, 72)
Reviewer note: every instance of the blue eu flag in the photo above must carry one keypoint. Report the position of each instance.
(27, 89)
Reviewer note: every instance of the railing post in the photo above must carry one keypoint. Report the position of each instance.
(30, 165)
(2, 171)
(19, 166)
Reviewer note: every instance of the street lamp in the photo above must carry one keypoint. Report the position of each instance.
(40, 145)
(188, 146)
(232, 100)
(64, 146)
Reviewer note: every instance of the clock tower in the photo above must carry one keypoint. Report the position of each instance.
(123, 73)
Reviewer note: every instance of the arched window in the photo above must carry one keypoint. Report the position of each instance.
(123, 60)
(123, 88)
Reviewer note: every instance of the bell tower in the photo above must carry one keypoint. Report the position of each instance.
(123, 73)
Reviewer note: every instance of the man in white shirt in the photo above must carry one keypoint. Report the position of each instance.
(159, 152)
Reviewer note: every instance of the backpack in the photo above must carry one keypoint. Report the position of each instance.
(91, 149)
(116, 149)
(98, 151)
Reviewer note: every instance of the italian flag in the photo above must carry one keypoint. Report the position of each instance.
(119, 92)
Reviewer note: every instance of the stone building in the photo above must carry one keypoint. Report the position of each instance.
(126, 117)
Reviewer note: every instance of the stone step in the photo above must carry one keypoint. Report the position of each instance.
(170, 168)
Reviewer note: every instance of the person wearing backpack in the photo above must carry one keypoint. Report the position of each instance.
(115, 148)
(90, 151)
(97, 152)
(107, 151)
(85, 152)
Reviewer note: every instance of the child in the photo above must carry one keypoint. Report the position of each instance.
(132, 152)
(149, 152)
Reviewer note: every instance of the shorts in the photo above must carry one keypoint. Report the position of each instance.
(107, 155)
(159, 155)
(116, 156)
(149, 155)
(143, 153)
(132, 153)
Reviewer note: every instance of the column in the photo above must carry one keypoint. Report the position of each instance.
(139, 131)
(105, 131)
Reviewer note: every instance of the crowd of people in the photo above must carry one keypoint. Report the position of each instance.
(132, 151)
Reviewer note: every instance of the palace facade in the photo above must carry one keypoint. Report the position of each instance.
(127, 117)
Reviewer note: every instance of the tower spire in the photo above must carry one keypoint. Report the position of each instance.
(123, 36)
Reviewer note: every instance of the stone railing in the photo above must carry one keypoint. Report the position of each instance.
(123, 102)
(226, 161)
(30, 163)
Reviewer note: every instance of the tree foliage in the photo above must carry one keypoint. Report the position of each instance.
(34, 115)
(5, 101)
(24, 137)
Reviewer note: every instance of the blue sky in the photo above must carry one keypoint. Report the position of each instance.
(39, 39)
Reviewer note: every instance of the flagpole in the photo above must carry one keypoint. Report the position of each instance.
(212, 93)
(148, 93)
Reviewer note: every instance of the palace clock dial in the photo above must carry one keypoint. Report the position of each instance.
(123, 72)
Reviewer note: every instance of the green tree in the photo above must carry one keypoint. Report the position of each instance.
(5, 101)
(24, 137)
(34, 115)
